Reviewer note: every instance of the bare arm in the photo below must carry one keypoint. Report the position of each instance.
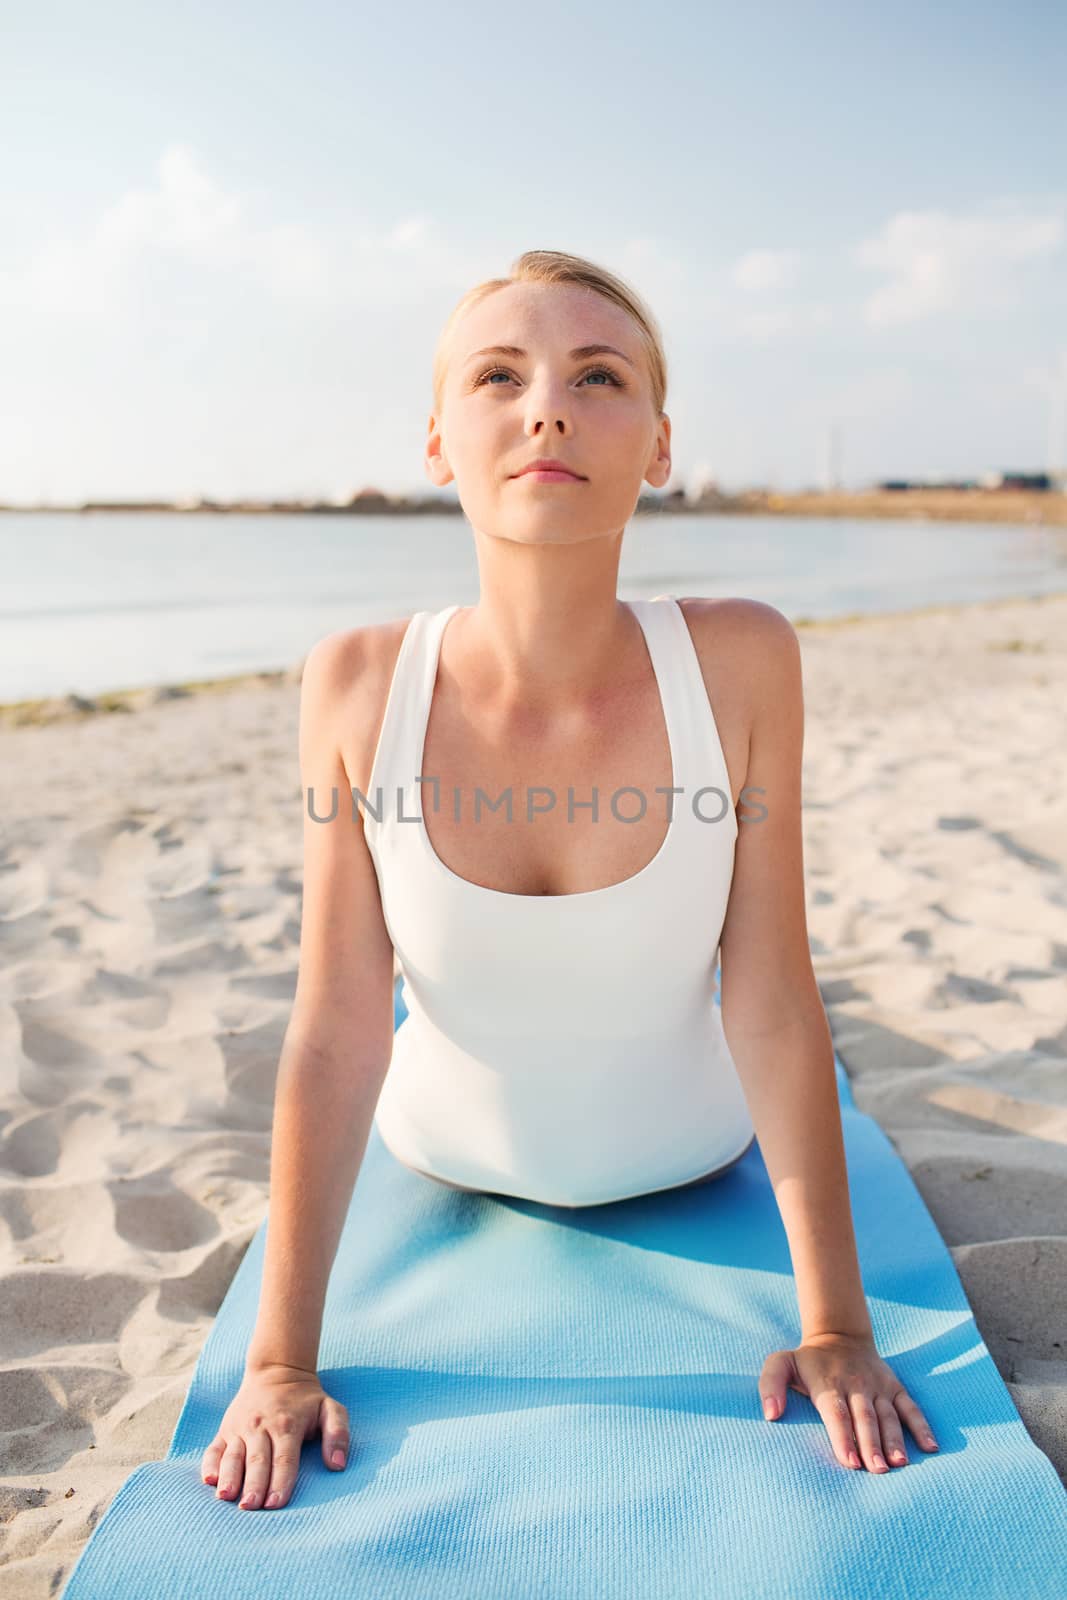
(779, 1037)
(772, 1012)
(339, 1039)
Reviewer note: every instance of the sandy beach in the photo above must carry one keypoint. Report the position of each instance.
(150, 882)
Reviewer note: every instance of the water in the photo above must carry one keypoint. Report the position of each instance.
(106, 601)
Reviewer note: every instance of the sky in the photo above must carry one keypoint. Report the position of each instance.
(229, 236)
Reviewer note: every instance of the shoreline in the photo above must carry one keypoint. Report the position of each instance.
(1004, 505)
(45, 710)
(1026, 507)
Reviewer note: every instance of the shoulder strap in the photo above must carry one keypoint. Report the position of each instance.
(390, 763)
(699, 753)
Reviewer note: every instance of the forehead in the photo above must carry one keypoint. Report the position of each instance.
(562, 314)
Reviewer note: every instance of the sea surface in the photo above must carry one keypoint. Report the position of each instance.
(91, 602)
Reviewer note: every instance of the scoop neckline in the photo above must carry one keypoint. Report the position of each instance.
(578, 894)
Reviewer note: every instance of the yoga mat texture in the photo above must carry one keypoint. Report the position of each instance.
(557, 1403)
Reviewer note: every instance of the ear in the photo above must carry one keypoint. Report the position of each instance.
(658, 470)
(437, 468)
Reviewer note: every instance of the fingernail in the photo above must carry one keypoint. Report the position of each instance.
(931, 1440)
(898, 1455)
(769, 1409)
(338, 1458)
(853, 1459)
(879, 1463)
(272, 1499)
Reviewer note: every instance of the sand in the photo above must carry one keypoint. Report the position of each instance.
(149, 927)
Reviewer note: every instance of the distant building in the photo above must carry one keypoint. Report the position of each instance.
(1017, 480)
(897, 484)
(988, 480)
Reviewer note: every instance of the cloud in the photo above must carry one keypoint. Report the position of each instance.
(188, 331)
(185, 238)
(188, 213)
(937, 262)
(730, 300)
(762, 324)
(760, 270)
(756, 304)
(152, 242)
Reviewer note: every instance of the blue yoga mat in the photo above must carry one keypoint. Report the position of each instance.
(563, 1404)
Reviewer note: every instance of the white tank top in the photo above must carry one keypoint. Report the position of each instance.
(565, 1049)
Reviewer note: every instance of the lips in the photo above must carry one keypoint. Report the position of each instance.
(548, 464)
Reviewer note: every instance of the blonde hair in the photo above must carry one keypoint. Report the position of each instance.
(555, 266)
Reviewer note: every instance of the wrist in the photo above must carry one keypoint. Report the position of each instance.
(262, 1359)
(861, 1332)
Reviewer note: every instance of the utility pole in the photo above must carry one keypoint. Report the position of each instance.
(831, 464)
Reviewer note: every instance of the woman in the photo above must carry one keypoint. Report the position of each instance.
(562, 1042)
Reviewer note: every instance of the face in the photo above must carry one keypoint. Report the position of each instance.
(594, 412)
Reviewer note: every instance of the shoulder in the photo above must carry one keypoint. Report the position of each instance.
(344, 685)
(755, 641)
(751, 639)
(749, 624)
(352, 652)
(749, 655)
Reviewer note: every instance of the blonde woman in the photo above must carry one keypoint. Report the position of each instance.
(559, 950)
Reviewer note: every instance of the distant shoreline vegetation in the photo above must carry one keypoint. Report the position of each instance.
(1008, 497)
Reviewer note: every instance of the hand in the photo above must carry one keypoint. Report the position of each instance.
(857, 1395)
(259, 1438)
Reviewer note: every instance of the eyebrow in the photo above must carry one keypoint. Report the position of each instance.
(576, 355)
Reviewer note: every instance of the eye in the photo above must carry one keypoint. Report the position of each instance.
(606, 372)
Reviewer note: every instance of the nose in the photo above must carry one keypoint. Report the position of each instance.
(538, 419)
(546, 412)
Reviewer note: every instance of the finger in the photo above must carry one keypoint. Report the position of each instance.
(774, 1383)
(231, 1469)
(866, 1427)
(257, 1468)
(918, 1424)
(836, 1413)
(286, 1439)
(333, 1420)
(209, 1462)
(892, 1436)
